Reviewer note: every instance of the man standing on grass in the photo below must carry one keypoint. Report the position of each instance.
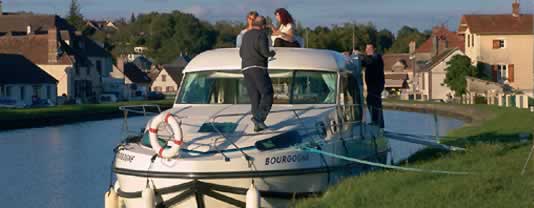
(255, 53)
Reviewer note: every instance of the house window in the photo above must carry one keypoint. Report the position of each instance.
(98, 65)
(170, 89)
(163, 78)
(22, 92)
(469, 41)
(472, 40)
(49, 92)
(502, 72)
(157, 89)
(87, 71)
(36, 89)
(8, 91)
(499, 44)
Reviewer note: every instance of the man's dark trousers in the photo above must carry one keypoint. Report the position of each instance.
(260, 90)
(374, 104)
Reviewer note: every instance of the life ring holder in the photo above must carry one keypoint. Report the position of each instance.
(177, 134)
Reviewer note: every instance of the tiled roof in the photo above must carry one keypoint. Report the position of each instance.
(497, 24)
(454, 41)
(392, 58)
(135, 74)
(175, 72)
(33, 47)
(438, 59)
(38, 23)
(16, 69)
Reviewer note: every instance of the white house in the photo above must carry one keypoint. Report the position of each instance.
(433, 76)
(24, 81)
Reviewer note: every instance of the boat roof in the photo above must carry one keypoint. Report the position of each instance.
(285, 58)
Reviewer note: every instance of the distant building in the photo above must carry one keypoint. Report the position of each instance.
(77, 62)
(431, 59)
(397, 72)
(137, 83)
(503, 44)
(102, 26)
(169, 77)
(22, 80)
(432, 76)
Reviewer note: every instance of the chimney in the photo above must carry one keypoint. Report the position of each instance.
(439, 39)
(515, 8)
(52, 45)
(29, 30)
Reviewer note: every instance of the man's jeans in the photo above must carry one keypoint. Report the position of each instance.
(260, 90)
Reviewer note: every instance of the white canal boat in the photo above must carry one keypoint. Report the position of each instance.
(203, 152)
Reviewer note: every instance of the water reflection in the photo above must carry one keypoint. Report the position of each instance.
(69, 166)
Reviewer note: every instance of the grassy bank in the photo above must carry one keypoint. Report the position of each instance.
(495, 153)
(38, 117)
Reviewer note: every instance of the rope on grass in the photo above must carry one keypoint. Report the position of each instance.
(313, 150)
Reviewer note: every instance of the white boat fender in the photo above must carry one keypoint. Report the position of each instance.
(120, 201)
(253, 197)
(111, 200)
(148, 196)
(177, 136)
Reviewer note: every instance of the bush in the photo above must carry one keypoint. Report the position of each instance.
(530, 101)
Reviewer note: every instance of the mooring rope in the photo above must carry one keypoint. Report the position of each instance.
(313, 150)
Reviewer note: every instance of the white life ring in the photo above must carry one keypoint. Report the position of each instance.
(175, 143)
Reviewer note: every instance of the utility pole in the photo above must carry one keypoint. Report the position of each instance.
(353, 37)
(414, 79)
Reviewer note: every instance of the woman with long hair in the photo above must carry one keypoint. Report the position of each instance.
(284, 35)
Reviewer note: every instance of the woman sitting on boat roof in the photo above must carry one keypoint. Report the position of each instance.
(284, 35)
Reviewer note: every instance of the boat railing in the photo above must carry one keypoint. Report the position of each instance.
(145, 110)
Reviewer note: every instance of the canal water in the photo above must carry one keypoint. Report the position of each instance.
(69, 166)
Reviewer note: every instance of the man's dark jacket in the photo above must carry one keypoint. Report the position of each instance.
(254, 50)
(374, 72)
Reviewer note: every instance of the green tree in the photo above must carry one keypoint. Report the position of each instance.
(458, 68)
(384, 40)
(404, 36)
(75, 17)
(132, 18)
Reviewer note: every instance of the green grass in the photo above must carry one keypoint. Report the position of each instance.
(37, 117)
(495, 153)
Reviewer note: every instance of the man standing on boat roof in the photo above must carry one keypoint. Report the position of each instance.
(374, 78)
(255, 53)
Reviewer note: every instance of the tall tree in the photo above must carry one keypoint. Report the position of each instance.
(384, 40)
(75, 17)
(458, 68)
(132, 18)
(404, 36)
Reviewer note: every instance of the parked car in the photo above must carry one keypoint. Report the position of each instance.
(155, 96)
(6, 102)
(108, 98)
(42, 103)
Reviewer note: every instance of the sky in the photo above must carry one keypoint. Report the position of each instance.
(389, 14)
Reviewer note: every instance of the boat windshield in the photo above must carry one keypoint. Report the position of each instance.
(228, 87)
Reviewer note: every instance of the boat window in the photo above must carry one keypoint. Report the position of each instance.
(314, 87)
(351, 98)
(228, 87)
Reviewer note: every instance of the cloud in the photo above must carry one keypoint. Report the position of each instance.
(197, 10)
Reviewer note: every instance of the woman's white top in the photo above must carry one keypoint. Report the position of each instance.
(285, 29)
